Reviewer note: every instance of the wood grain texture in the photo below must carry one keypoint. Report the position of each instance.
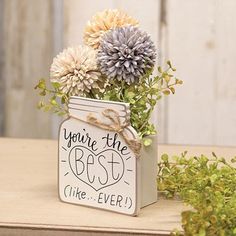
(30, 205)
(76, 15)
(198, 36)
(162, 106)
(225, 81)
(58, 32)
(53, 232)
(29, 198)
(2, 81)
(28, 54)
(200, 42)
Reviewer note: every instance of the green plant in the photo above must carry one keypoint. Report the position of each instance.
(142, 97)
(55, 101)
(206, 184)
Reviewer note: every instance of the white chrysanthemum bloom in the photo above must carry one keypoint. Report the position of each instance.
(104, 21)
(75, 69)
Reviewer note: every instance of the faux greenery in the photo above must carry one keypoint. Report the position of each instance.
(142, 97)
(206, 184)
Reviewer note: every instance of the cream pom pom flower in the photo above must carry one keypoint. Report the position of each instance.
(75, 69)
(104, 21)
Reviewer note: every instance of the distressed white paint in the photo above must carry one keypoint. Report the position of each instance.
(76, 15)
(2, 82)
(58, 21)
(225, 84)
(201, 36)
(28, 53)
(188, 36)
(97, 167)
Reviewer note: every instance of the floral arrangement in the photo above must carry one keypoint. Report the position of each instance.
(116, 63)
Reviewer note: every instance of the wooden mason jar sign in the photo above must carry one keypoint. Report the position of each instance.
(99, 165)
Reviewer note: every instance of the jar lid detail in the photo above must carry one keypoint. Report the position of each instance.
(81, 108)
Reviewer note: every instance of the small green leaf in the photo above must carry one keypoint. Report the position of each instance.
(53, 102)
(178, 81)
(233, 160)
(168, 63)
(167, 78)
(147, 142)
(166, 92)
(41, 84)
(214, 155)
(63, 100)
(130, 95)
(42, 93)
(172, 89)
(56, 85)
(47, 108)
(40, 104)
(164, 157)
(213, 178)
(202, 232)
(222, 159)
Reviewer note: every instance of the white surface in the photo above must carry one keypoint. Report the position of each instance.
(96, 167)
(149, 173)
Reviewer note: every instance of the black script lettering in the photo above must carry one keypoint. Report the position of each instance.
(100, 198)
(90, 161)
(111, 199)
(70, 191)
(106, 177)
(78, 162)
(119, 200)
(106, 197)
(114, 143)
(123, 149)
(112, 162)
(98, 171)
(80, 138)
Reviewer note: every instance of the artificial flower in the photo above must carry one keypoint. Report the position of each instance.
(126, 53)
(75, 69)
(104, 21)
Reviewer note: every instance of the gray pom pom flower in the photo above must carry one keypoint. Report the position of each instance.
(126, 53)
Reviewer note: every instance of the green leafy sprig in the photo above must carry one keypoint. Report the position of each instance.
(142, 97)
(206, 184)
(56, 101)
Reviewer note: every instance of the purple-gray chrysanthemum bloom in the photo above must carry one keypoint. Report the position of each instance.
(126, 53)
